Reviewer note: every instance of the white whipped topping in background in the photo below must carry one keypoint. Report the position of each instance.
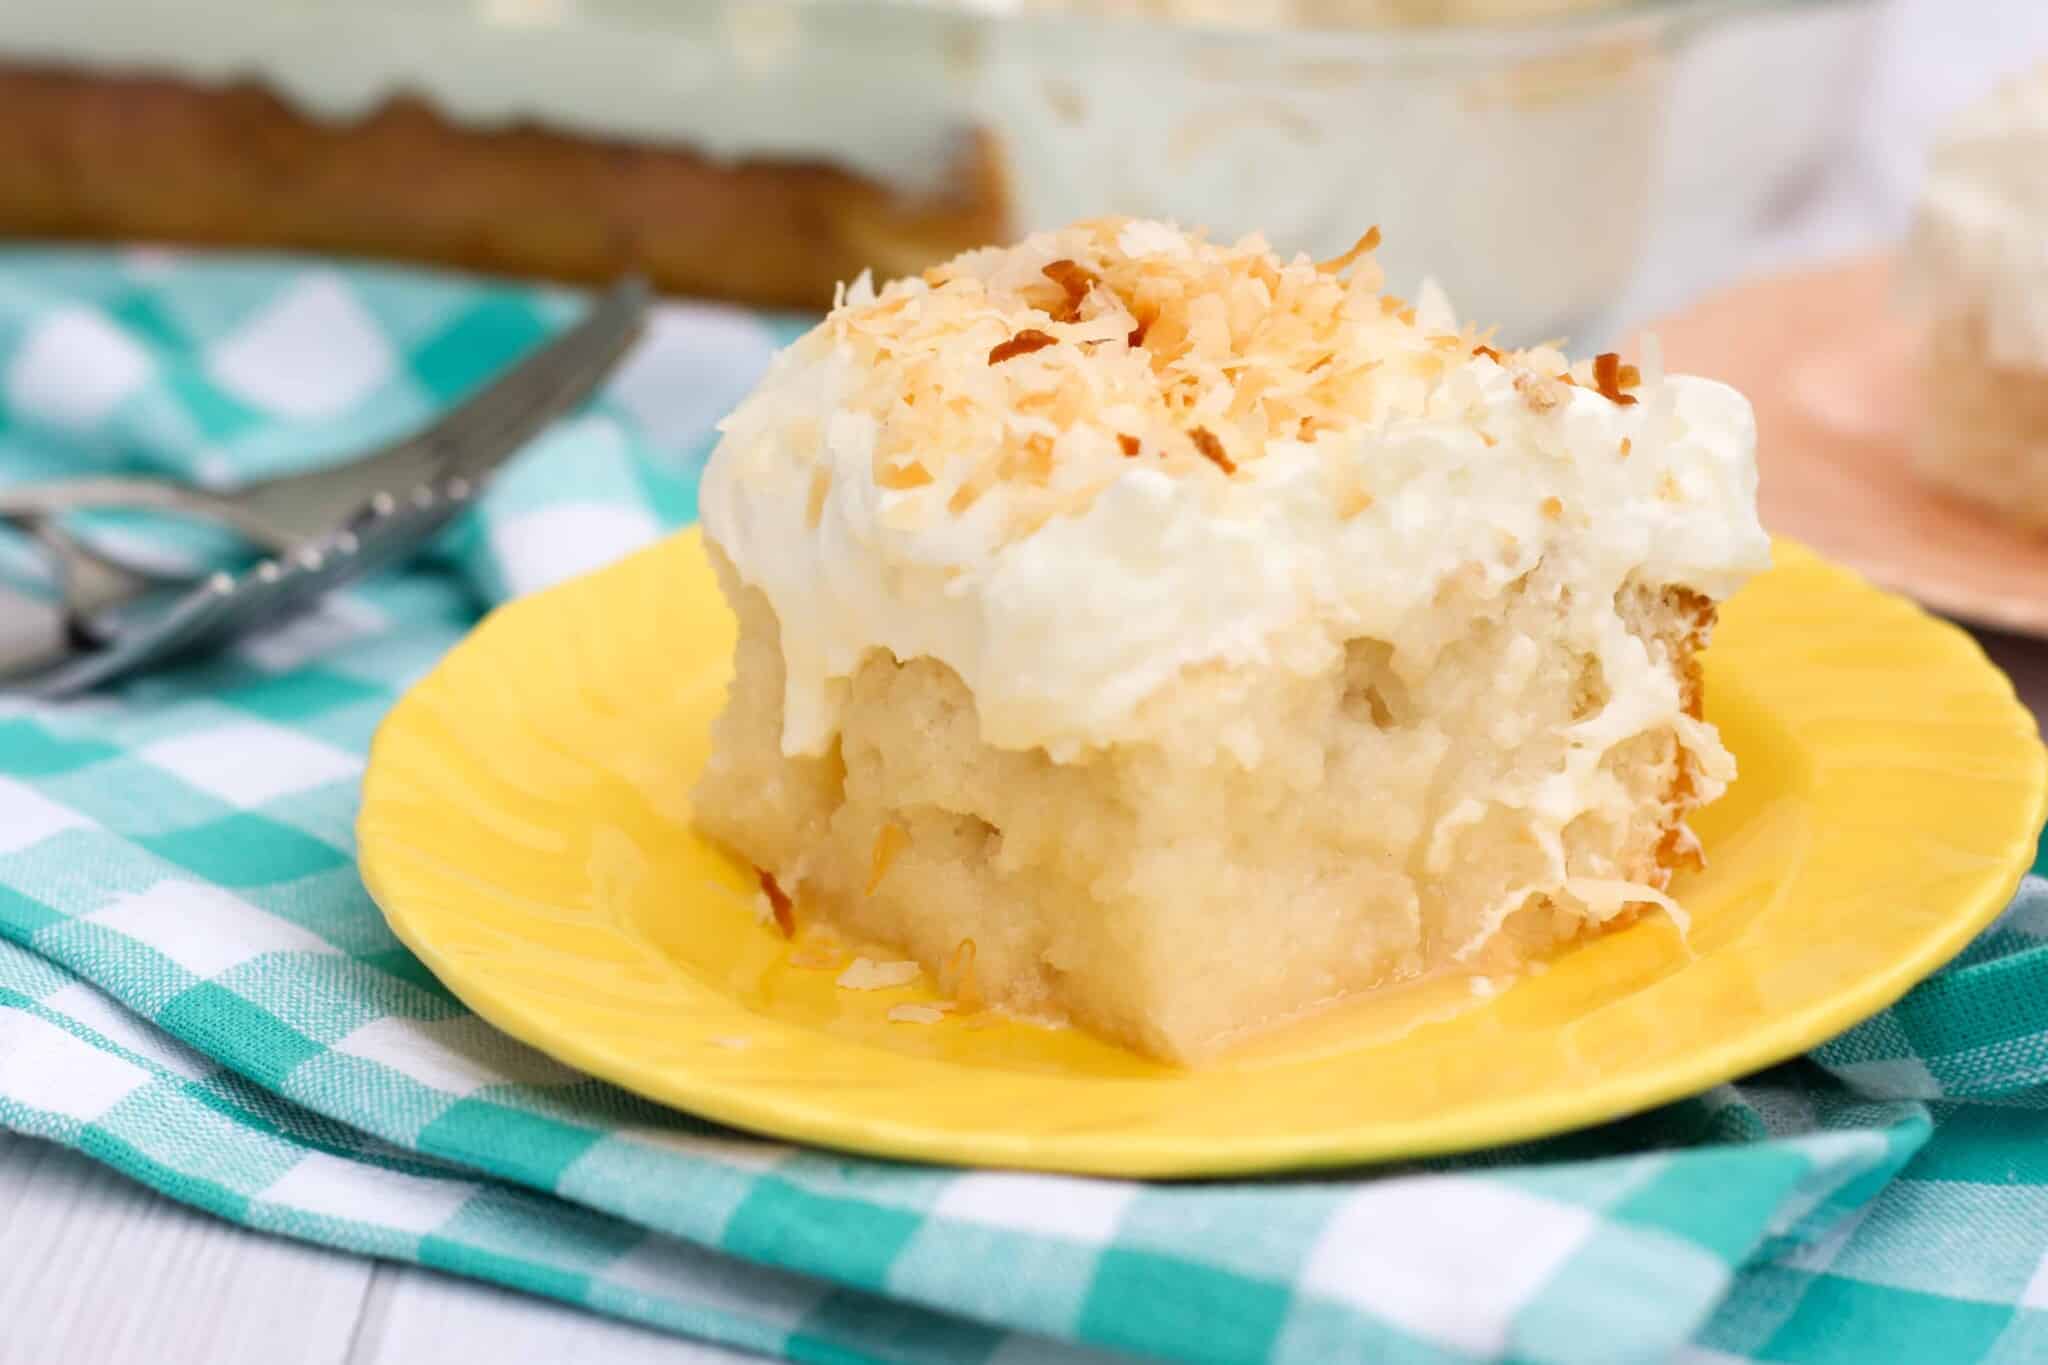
(1305, 13)
(1979, 243)
(1061, 634)
(729, 80)
(1221, 130)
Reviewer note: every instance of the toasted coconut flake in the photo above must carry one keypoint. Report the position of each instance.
(1626, 446)
(1539, 393)
(1075, 281)
(821, 485)
(1364, 246)
(866, 974)
(898, 478)
(888, 843)
(780, 907)
(1489, 439)
(1553, 508)
(967, 494)
(1353, 502)
(1036, 466)
(1211, 449)
(956, 977)
(1607, 374)
(1228, 343)
(1024, 343)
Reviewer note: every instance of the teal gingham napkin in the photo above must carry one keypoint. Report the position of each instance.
(195, 989)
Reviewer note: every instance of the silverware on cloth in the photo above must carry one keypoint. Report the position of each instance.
(321, 529)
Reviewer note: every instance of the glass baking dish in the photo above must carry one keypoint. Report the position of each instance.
(1530, 168)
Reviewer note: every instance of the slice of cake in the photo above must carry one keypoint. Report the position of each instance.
(1174, 638)
(1975, 274)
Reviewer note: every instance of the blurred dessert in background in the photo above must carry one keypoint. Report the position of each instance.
(751, 160)
(1313, 13)
(1974, 274)
(1523, 151)
(726, 154)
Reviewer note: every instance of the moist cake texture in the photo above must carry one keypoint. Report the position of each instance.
(1189, 637)
(1974, 274)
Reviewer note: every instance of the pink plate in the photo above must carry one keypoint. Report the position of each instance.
(1830, 368)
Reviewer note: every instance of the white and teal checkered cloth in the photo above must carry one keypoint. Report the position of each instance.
(195, 989)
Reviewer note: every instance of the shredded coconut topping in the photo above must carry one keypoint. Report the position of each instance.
(1072, 468)
(1206, 356)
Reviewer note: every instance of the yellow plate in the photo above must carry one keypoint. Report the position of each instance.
(526, 827)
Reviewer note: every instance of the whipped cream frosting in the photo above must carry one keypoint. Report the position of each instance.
(1979, 242)
(1070, 527)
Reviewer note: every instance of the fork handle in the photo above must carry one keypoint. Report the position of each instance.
(37, 501)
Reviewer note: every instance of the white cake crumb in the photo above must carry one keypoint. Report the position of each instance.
(866, 974)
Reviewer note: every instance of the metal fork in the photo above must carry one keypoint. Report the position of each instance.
(231, 605)
(120, 611)
(282, 513)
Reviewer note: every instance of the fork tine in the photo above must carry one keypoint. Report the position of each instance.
(471, 437)
(182, 625)
(317, 570)
(227, 608)
(467, 441)
(462, 447)
(555, 383)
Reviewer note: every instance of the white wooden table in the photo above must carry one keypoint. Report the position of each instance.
(94, 1269)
